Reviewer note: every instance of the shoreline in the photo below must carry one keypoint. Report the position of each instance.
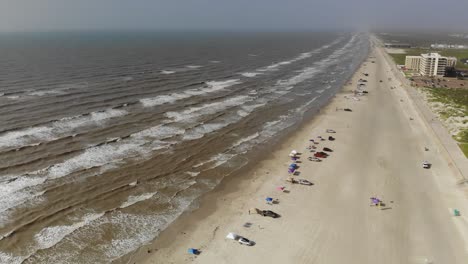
(377, 153)
(208, 203)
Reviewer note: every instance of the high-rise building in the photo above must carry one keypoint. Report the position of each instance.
(430, 64)
(412, 62)
(433, 64)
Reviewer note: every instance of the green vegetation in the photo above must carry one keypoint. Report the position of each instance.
(451, 96)
(464, 148)
(398, 58)
(459, 54)
(456, 105)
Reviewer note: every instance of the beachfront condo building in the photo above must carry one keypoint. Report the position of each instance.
(430, 64)
(412, 62)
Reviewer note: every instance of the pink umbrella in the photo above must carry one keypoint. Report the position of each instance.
(280, 188)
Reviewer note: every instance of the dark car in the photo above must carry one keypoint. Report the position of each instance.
(270, 214)
(320, 154)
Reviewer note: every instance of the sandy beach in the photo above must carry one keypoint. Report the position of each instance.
(378, 152)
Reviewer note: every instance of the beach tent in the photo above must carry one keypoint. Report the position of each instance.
(232, 236)
(193, 251)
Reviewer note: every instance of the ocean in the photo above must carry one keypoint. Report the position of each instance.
(107, 137)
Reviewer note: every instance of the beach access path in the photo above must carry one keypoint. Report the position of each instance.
(378, 152)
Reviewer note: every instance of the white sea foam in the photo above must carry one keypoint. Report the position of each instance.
(12, 97)
(245, 140)
(18, 199)
(220, 159)
(193, 173)
(45, 92)
(56, 129)
(192, 113)
(201, 130)
(317, 67)
(300, 57)
(133, 199)
(105, 156)
(250, 74)
(193, 66)
(210, 87)
(162, 99)
(167, 72)
(50, 236)
(94, 157)
(215, 61)
(10, 259)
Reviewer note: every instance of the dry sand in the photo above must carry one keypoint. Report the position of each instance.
(378, 152)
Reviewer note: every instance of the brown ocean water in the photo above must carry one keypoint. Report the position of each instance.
(106, 137)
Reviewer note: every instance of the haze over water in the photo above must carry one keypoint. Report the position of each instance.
(105, 138)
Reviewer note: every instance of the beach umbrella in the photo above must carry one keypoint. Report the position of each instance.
(232, 236)
(280, 188)
(269, 199)
(291, 170)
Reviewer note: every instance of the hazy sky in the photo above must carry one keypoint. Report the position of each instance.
(32, 15)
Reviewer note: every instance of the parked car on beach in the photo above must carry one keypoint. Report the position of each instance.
(426, 165)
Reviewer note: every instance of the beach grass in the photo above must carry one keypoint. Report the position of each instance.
(398, 58)
(455, 102)
(464, 148)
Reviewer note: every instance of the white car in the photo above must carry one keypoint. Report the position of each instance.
(242, 240)
(304, 182)
(426, 165)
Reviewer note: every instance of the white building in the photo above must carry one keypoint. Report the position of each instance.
(412, 62)
(448, 46)
(430, 64)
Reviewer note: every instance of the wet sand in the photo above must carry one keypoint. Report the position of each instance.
(378, 151)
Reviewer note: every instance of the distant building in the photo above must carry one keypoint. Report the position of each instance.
(412, 62)
(397, 45)
(430, 64)
(433, 64)
(448, 46)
